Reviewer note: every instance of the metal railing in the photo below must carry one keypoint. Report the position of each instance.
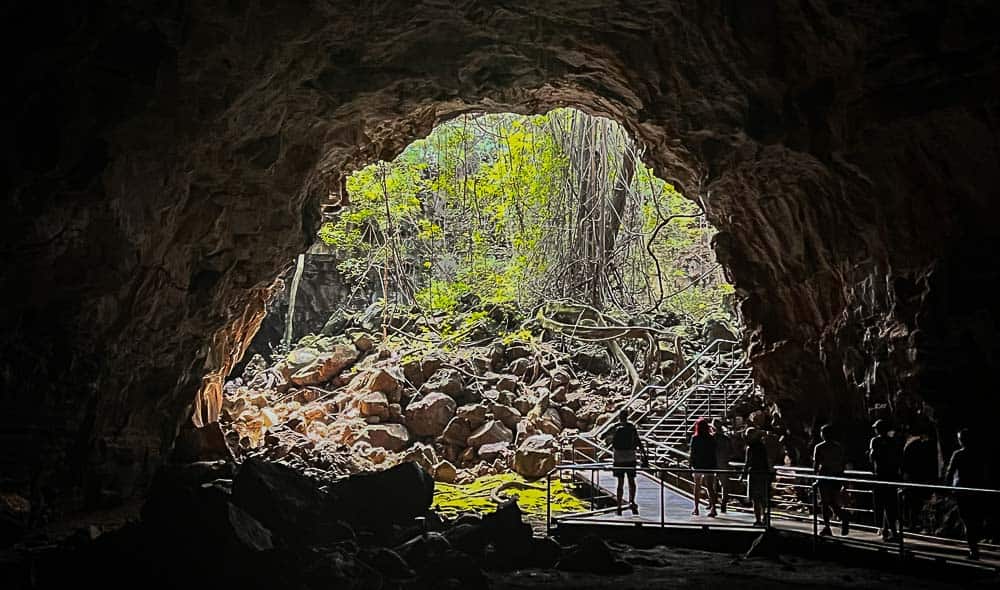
(655, 474)
(678, 382)
(781, 511)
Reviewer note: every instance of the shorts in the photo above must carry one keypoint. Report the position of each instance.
(624, 463)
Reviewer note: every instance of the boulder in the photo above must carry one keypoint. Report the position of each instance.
(429, 415)
(394, 496)
(456, 432)
(386, 562)
(507, 383)
(283, 500)
(474, 414)
(507, 415)
(421, 454)
(363, 341)
(430, 364)
(523, 404)
(521, 366)
(492, 451)
(392, 437)
(296, 360)
(518, 351)
(491, 432)
(592, 555)
(447, 381)
(382, 380)
(325, 365)
(374, 404)
(567, 417)
(412, 372)
(445, 472)
(536, 456)
(594, 361)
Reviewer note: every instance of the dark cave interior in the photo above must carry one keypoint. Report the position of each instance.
(164, 161)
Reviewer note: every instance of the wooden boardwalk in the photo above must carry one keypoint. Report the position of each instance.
(674, 510)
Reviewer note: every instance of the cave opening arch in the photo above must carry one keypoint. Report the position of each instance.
(181, 160)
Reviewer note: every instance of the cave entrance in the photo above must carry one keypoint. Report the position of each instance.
(434, 318)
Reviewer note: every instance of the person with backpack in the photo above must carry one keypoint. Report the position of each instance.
(624, 445)
(885, 459)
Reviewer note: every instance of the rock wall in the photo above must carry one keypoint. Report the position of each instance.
(322, 290)
(164, 161)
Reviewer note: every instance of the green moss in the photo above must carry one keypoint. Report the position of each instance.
(452, 500)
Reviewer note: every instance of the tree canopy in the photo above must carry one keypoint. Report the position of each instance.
(513, 209)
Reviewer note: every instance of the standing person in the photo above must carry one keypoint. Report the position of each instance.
(920, 465)
(703, 456)
(885, 459)
(757, 468)
(828, 459)
(624, 445)
(967, 469)
(723, 455)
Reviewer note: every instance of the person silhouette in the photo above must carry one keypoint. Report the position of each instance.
(702, 456)
(885, 459)
(828, 460)
(967, 469)
(625, 443)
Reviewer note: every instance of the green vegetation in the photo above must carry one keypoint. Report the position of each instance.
(452, 500)
(509, 209)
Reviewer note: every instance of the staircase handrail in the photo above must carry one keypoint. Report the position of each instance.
(677, 404)
(603, 429)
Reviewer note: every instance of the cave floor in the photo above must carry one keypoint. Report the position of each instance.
(666, 567)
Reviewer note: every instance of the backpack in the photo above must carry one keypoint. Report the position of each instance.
(625, 438)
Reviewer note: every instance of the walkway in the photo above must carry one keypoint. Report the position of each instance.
(676, 513)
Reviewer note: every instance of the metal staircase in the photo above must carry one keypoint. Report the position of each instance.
(716, 379)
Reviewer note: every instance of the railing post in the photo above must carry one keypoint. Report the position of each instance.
(663, 513)
(767, 505)
(899, 524)
(548, 504)
(593, 489)
(815, 503)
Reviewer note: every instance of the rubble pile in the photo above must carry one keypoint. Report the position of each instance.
(350, 400)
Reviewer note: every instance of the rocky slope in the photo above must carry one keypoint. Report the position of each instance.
(164, 162)
(462, 404)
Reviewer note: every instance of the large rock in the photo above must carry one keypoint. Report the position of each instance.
(447, 381)
(492, 451)
(593, 555)
(374, 404)
(536, 456)
(326, 365)
(383, 498)
(505, 414)
(383, 380)
(456, 432)
(429, 415)
(491, 432)
(445, 472)
(474, 414)
(286, 502)
(391, 437)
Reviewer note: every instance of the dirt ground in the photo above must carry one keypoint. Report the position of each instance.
(674, 568)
